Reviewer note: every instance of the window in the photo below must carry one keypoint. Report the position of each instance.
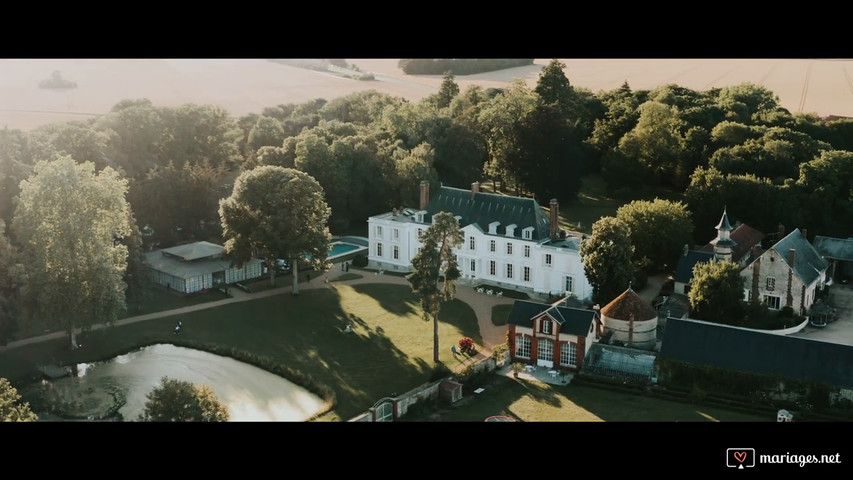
(527, 234)
(396, 252)
(771, 284)
(546, 327)
(773, 302)
(378, 249)
(471, 243)
(548, 259)
(570, 284)
(569, 354)
(396, 234)
(473, 265)
(546, 350)
(491, 245)
(508, 270)
(526, 274)
(492, 267)
(379, 230)
(527, 251)
(522, 346)
(420, 232)
(509, 248)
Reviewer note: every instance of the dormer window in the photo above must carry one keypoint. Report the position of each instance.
(493, 227)
(546, 327)
(527, 233)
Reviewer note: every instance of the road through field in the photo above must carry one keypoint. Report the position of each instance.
(243, 86)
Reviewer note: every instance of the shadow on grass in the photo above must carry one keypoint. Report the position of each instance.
(396, 299)
(384, 355)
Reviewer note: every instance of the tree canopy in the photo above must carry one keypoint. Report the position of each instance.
(716, 292)
(276, 212)
(71, 221)
(607, 259)
(11, 407)
(181, 401)
(659, 230)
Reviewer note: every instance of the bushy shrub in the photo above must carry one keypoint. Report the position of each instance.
(359, 261)
(440, 371)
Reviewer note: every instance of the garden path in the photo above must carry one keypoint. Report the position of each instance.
(481, 304)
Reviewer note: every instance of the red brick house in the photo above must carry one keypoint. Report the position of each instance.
(551, 335)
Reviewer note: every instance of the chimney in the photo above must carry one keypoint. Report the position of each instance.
(555, 217)
(475, 187)
(805, 232)
(792, 255)
(424, 194)
(756, 276)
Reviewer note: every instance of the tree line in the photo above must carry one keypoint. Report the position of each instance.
(731, 147)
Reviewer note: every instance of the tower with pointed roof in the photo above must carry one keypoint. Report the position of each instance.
(723, 244)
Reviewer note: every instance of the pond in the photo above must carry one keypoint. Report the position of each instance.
(116, 390)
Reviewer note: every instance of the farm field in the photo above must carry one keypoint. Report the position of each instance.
(242, 86)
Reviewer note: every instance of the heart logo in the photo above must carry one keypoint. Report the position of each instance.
(740, 456)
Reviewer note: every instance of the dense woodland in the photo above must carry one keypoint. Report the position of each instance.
(733, 147)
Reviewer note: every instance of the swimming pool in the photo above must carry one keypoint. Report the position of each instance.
(336, 249)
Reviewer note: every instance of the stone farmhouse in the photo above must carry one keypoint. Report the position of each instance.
(790, 273)
(509, 241)
(737, 244)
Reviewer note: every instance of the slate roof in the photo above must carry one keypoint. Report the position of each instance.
(745, 238)
(726, 226)
(684, 269)
(745, 350)
(171, 261)
(835, 248)
(621, 307)
(807, 262)
(574, 321)
(485, 208)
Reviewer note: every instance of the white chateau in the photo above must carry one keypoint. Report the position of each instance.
(509, 241)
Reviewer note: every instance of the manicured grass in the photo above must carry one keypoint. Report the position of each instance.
(534, 401)
(390, 350)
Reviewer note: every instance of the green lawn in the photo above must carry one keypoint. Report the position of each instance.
(390, 350)
(534, 401)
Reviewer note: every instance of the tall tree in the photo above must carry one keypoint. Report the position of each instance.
(433, 263)
(659, 229)
(447, 91)
(69, 222)
(716, 292)
(11, 408)
(13, 278)
(181, 401)
(607, 259)
(275, 212)
(553, 86)
(500, 123)
(550, 157)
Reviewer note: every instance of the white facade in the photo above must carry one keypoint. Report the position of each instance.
(504, 255)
